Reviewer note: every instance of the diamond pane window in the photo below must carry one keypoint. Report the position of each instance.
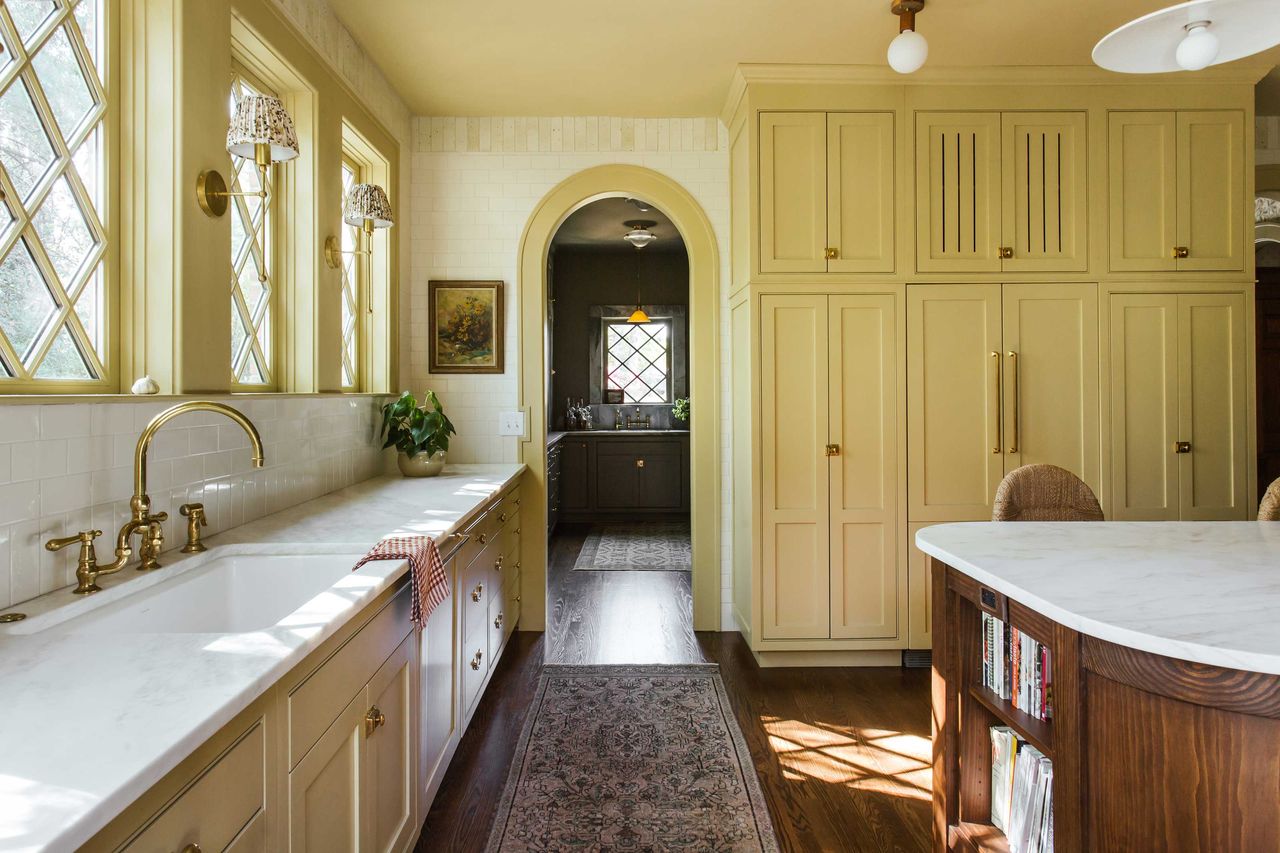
(638, 359)
(52, 239)
(252, 289)
(353, 272)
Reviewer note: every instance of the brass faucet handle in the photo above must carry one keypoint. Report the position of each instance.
(195, 520)
(86, 564)
(84, 537)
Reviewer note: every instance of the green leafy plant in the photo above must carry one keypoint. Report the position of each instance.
(414, 429)
(680, 411)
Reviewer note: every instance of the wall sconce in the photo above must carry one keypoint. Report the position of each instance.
(367, 208)
(261, 129)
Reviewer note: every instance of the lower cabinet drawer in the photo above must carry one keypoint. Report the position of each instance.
(478, 588)
(497, 625)
(511, 613)
(220, 808)
(475, 666)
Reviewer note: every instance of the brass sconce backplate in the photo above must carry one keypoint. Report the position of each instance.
(332, 252)
(211, 193)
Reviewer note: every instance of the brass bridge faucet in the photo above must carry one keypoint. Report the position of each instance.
(143, 521)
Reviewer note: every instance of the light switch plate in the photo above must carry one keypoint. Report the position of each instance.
(511, 423)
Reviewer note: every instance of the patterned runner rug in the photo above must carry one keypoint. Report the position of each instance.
(644, 546)
(632, 758)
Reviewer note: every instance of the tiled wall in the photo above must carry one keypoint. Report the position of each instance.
(475, 183)
(69, 467)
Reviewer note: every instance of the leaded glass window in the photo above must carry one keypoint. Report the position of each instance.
(638, 359)
(52, 238)
(252, 285)
(354, 270)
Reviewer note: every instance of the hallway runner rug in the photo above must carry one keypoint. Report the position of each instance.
(642, 546)
(632, 758)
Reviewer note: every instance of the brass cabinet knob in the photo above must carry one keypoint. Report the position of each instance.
(482, 538)
(497, 621)
(1181, 252)
(1182, 447)
(497, 564)
(831, 253)
(193, 847)
(517, 565)
(1004, 252)
(477, 592)
(639, 463)
(517, 531)
(475, 661)
(502, 517)
(833, 450)
(373, 718)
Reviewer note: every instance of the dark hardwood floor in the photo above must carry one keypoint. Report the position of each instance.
(615, 617)
(842, 754)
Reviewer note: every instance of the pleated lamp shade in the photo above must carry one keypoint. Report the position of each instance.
(368, 203)
(262, 120)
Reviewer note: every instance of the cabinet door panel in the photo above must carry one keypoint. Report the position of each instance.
(574, 473)
(863, 418)
(920, 589)
(793, 192)
(1051, 381)
(1211, 189)
(661, 477)
(439, 685)
(957, 192)
(1044, 191)
(954, 450)
(325, 788)
(860, 176)
(1211, 410)
(617, 479)
(388, 751)
(1144, 407)
(1142, 153)
(793, 435)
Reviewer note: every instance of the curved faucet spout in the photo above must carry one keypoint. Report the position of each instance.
(140, 499)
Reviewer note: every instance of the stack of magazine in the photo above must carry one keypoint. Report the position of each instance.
(1017, 668)
(1021, 792)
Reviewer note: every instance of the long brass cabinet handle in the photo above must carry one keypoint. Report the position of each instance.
(1013, 367)
(995, 356)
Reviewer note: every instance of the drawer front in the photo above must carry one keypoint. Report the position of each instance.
(475, 666)
(220, 808)
(497, 624)
(480, 585)
(315, 703)
(511, 617)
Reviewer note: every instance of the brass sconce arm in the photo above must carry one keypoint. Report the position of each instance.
(333, 250)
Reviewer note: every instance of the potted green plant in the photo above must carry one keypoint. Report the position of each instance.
(680, 411)
(420, 433)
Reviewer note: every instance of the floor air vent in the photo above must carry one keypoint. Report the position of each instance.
(918, 659)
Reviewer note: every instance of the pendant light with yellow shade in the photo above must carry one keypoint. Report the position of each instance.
(639, 236)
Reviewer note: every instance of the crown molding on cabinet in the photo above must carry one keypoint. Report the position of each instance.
(1027, 75)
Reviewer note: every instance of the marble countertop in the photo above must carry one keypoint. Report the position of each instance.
(1207, 592)
(554, 437)
(90, 723)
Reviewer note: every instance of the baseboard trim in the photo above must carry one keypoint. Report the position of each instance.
(885, 657)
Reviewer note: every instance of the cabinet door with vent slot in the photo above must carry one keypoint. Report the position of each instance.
(1043, 207)
(957, 192)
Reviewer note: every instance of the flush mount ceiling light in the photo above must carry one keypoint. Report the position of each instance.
(640, 235)
(1191, 36)
(642, 206)
(909, 50)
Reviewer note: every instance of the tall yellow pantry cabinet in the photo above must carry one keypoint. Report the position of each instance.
(939, 278)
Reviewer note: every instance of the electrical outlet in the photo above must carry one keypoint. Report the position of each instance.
(511, 423)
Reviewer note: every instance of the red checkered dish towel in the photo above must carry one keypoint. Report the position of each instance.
(430, 585)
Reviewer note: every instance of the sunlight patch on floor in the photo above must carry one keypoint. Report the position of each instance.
(867, 759)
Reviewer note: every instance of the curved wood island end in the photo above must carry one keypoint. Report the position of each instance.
(1150, 753)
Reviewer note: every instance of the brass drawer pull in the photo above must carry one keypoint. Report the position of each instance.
(193, 847)
(373, 720)
(831, 253)
(497, 564)
(517, 565)
(1004, 252)
(639, 463)
(1181, 252)
(497, 621)
(482, 538)
(475, 661)
(833, 450)
(502, 518)
(477, 592)
(517, 531)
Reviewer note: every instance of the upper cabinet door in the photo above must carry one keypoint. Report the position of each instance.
(793, 192)
(1142, 154)
(863, 424)
(957, 192)
(1211, 190)
(1044, 204)
(860, 179)
(1051, 378)
(793, 439)
(1213, 474)
(955, 448)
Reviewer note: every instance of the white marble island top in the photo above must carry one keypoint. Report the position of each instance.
(89, 722)
(1207, 592)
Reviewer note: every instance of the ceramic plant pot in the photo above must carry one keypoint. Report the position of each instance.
(420, 464)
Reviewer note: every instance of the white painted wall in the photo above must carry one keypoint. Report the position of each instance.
(475, 183)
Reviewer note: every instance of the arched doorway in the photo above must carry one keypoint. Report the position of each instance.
(704, 373)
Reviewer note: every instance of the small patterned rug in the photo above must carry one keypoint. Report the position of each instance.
(642, 546)
(632, 758)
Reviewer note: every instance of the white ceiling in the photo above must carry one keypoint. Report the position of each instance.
(599, 226)
(676, 57)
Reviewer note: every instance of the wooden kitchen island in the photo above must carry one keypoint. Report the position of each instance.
(1165, 658)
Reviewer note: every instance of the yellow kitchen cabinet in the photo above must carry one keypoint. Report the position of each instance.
(1176, 190)
(998, 377)
(920, 586)
(829, 467)
(1001, 192)
(1178, 407)
(826, 192)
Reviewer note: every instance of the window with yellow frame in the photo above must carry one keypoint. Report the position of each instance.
(355, 285)
(54, 298)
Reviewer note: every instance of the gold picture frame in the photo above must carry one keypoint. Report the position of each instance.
(466, 327)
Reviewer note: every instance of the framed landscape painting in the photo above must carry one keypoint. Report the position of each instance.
(466, 326)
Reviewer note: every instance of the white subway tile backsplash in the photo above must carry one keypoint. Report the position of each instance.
(68, 467)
